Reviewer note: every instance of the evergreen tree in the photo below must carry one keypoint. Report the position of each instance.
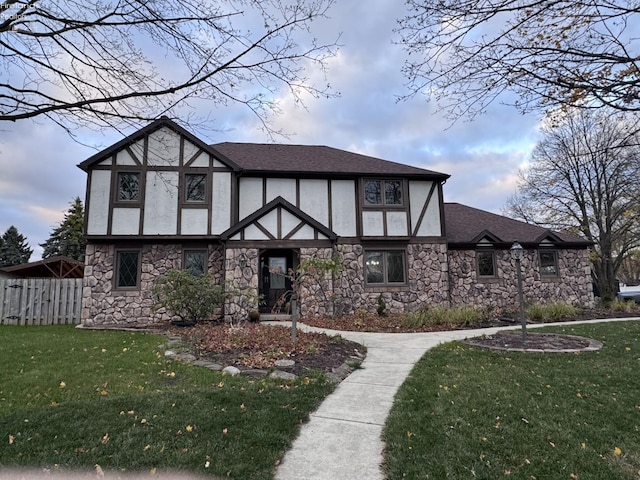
(14, 248)
(68, 238)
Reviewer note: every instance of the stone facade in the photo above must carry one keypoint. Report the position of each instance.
(347, 293)
(102, 304)
(572, 285)
(242, 282)
(435, 276)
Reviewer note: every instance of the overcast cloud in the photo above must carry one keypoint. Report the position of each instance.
(39, 176)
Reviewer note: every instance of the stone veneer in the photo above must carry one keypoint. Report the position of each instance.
(347, 293)
(102, 304)
(572, 285)
(431, 280)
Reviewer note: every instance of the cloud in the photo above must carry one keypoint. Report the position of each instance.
(38, 161)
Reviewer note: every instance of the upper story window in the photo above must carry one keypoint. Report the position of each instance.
(195, 187)
(383, 192)
(384, 267)
(128, 187)
(486, 262)
(548, 263)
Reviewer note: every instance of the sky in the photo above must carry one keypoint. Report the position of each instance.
(39, 177)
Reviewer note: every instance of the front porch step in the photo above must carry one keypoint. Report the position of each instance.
(283, 317)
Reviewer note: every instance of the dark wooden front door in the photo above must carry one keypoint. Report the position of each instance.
(275, 285)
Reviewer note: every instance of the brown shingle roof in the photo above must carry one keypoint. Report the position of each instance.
(467, 225)
(310, 159)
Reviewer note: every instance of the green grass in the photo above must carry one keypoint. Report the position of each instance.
(71, 399)
(466, 412)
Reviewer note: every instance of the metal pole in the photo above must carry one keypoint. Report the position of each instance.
(521, 299)
(294, 317)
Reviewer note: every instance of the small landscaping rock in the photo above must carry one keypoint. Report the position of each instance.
(185, 357)
(282, 375)
(285, 363)
(233, 371)
(170, 353)
(255, 372)
(210, 365)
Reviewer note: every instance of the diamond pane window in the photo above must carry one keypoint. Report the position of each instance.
(128, 187)
(384, 267)
(486, 264)
(383, 192)
(127, 269)
(195, 187)
(373, 192)
(392, 192)
(395, 267)
(374, 267)
(195, 261)
(548, 264)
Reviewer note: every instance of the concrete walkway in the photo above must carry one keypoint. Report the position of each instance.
(342, 439)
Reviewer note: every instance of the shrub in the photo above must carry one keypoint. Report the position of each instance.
(454, 317)
(551, 312)
(192, 298)
(382, 307)
(618, 305)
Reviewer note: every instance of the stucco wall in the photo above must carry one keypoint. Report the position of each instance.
(104, 305)
(572, 285)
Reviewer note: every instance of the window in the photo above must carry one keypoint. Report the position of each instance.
(548, 263)
(383, 192)
(127, 265)
(384, 267)
(128, 187)
(195, 187)
(195, 261)
(486, 263)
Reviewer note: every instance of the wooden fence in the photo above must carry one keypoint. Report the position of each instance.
(40, 301)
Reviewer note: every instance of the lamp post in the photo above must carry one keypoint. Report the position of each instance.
(517, 253)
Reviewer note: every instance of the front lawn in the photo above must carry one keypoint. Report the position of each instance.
(73, 399)
(466, 412)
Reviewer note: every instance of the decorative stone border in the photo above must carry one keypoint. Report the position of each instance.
(591, 344)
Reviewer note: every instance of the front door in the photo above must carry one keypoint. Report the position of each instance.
(275, 284)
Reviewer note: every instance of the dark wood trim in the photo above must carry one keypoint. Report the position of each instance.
(275, 244)
(262, 229)
(296, 229)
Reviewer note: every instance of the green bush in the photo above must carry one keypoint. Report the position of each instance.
(551, 312)
(454, 317)
(192, 298)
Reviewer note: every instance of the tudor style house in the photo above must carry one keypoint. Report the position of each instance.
(162, 199)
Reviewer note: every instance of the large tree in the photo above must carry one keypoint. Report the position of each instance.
(102, 62)
(465, 53)
(14, 248)
(68, 237)
(583, 178)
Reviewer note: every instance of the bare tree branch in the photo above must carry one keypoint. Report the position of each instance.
(550, 53)
(110, 62)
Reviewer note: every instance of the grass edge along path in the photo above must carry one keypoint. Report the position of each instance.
(466, 412)
(71, 399)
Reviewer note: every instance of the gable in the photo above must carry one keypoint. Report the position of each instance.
(278, 220)
(162, 143)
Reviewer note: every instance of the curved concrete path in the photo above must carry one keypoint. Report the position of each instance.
(343, 438)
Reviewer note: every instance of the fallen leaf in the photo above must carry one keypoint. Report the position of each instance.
(62, 385)
(583, 445)
(99, 472)
(224, 431)
(105, 439)
(189, 428)
(617, 451)
(11, 439)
